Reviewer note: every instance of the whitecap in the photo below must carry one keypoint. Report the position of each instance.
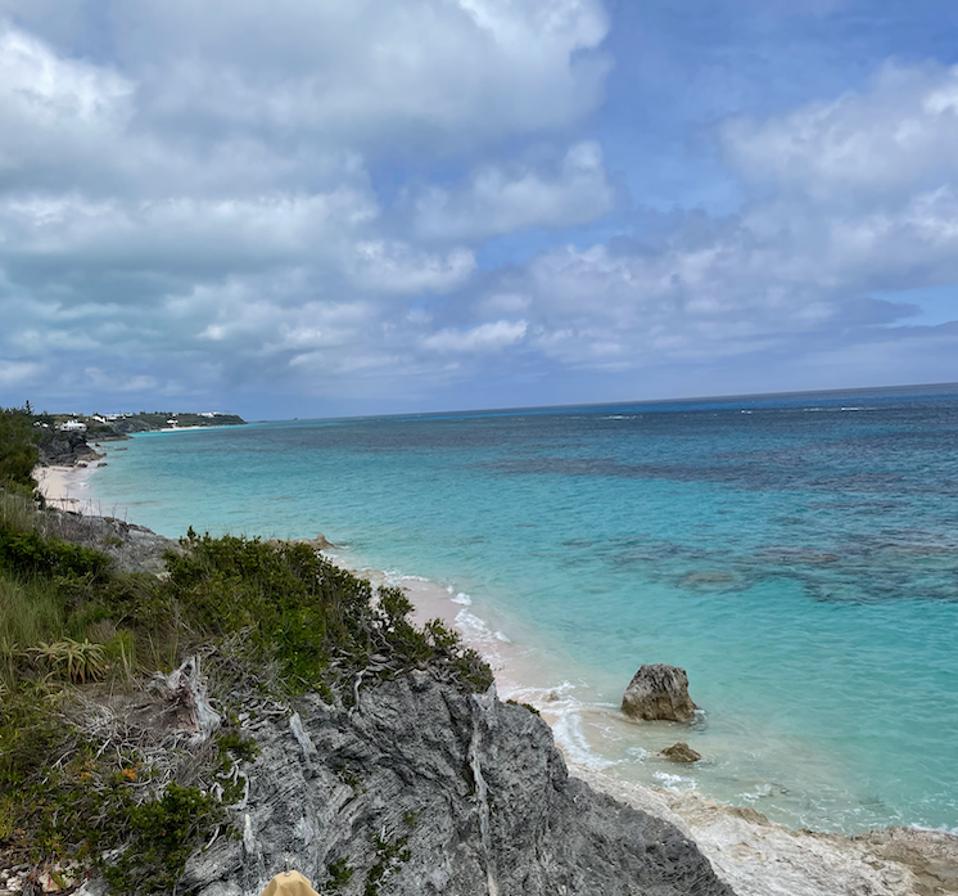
(567, 728)
(674, 782)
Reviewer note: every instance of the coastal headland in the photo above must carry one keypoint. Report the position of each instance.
(748, 853)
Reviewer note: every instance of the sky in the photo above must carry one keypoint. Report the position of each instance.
(315, 208)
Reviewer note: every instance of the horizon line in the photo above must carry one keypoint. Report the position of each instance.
(596, 404)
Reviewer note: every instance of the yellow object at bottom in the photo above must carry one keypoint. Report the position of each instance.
(289, 883)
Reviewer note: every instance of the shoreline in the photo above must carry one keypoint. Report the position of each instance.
(64, 487)
(740, 842)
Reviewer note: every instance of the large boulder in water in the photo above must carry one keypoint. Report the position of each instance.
(659, 692)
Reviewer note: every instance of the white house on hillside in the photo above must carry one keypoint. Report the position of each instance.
(72, 426)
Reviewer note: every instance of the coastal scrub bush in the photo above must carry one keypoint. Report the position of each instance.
(30, 553)
(162, 834)
(64, 799)
(18, 449)
(322, 625)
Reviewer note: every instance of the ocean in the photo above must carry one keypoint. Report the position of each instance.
(796, 554)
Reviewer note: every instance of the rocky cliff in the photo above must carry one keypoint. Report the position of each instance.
(66, 448)
(422, 789)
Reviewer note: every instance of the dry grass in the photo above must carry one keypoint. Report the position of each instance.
(17, 512)
(30, 613)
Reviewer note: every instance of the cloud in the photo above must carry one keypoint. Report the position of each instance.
(499, 200)
(898, 134)
(848, 203)
(301, 204)
(13, 373)
(49, 104)
(489, 337)
(395, 267)
(367, 73)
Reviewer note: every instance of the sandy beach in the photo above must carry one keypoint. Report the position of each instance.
(67, 487)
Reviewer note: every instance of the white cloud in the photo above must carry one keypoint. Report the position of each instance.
(499, 200)
(181, 232)
(849, 202)
(396, 267)
(191, 201)
(368, 72)
(898, 134)
(49, 103)
(489, 337)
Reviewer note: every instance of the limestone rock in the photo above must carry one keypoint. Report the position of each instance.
(424, 790)
(681, 752)
(68, 448)
(659, 692)
(132, 548)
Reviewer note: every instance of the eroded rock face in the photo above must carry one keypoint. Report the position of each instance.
(132, 548)
(659, 692)
(65, 448)
(681, 752)
(443, 793)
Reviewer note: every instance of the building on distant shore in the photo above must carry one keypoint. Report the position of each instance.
(72, 426)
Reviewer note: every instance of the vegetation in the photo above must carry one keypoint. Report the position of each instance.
(526, 706)
(18, 449)
(391, 853)
(146, 421)
(76, 633)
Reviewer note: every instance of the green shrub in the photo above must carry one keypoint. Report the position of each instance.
(30, 553)
(75, 661)
(320, 623)
(340, 873)
(18, 449)
(163, 833)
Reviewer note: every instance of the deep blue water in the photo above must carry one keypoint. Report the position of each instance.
(798, 555)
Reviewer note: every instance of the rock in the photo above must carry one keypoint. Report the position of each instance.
(681, 752)
(132, 548)
(659, 692)
(66, 448)
(443, 793)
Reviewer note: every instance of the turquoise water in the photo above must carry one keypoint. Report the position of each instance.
(798, 555)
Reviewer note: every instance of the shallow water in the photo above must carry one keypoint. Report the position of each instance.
(798, 555)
